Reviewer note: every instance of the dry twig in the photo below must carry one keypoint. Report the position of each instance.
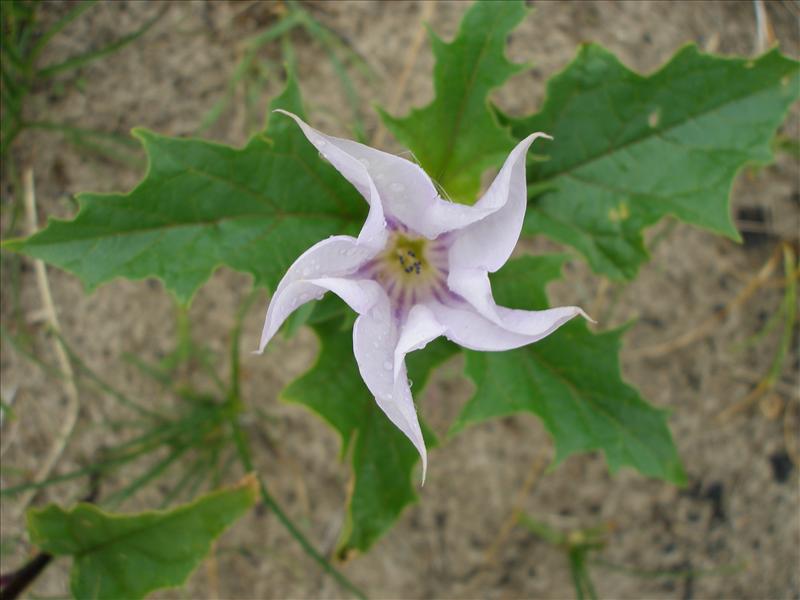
(428, 9)
(11, 432)
(704, 329)
(73, 402)
(767, 382)
(537, 467)
(212, 572)
(765, 35)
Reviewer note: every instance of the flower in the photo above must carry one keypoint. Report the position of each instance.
(418, 269)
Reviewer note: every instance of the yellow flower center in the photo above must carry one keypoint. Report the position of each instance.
(411, 269)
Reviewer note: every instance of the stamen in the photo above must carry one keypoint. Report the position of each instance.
(407, 254)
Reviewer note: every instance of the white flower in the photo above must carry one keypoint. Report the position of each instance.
(418, 269)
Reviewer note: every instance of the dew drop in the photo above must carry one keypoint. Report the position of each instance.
(396, 186)
(320, 142)
(376, 344)
(364, 162)
(388, 396)
(387, 365)
(306, 272)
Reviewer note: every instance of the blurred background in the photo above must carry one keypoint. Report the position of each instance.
(209, 69)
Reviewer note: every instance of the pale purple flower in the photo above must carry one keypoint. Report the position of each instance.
(418, 269)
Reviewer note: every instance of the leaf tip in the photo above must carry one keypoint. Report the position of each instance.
(678, 476)
(141, 133)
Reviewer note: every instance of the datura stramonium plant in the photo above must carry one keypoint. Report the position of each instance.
(418, 269)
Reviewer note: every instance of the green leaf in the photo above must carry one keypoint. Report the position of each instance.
(630, 149)
(202, 205)
(571, 381)
(129, 555)
(456, 137)
(382, 457)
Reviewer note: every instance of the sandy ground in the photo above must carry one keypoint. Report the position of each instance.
(734, 532)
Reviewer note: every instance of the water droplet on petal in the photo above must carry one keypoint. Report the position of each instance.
(376, 344)
(388, 396)
(396, 186)
(364, 162)
(320, 142)
(387, 365)
(306, 272)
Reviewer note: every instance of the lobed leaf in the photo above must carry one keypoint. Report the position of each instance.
(456, 137)
(571, 381)
(382, 457)
(202, 205)
(630, 149)
(130, 555)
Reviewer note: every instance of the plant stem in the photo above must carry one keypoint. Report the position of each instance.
(240, 439)
(13, 584)
(246, 460)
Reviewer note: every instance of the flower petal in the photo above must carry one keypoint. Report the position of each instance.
(333, 257)
(375, 336)
(406, 191)
(359, 294)
(489, 242)
(420, 328)
(374, 232)
(517, 328)
(473, 286)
